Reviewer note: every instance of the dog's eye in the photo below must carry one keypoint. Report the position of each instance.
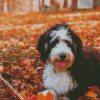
(67, 42)
(70, 45)
(54, 42)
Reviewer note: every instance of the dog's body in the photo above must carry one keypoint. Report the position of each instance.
(69, 71)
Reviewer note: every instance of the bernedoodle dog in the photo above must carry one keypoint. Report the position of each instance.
(69, 70)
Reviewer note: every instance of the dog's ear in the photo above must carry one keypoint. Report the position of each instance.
(41, 47)
(76, 42)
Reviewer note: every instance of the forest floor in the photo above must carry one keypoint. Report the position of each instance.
(20, 63)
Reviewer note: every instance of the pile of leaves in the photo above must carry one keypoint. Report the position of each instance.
(93, 93)
(20, 63)
(41, 96)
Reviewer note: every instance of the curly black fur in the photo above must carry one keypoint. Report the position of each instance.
(86, 72)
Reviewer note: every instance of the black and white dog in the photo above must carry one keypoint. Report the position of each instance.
(67, 71)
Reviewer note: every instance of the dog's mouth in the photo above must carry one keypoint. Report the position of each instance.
(61, 63)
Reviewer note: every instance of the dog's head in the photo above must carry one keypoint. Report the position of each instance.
(59, 46)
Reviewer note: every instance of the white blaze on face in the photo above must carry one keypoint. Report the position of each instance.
(62, 33)
(61, 47)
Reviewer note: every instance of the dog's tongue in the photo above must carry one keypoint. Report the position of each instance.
(61, 63)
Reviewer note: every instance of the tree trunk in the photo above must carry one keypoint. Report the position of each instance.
(1, 5)
(23, 6)
(10, 5)
(55, 4)
(65, 3)
(41, 5)
(96, 2)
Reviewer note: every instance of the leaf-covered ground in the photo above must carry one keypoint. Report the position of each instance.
(20, 63)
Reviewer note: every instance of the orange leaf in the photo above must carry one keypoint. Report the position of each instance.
(40, 96)
(23, 93)
(91, 94)
(49, 96)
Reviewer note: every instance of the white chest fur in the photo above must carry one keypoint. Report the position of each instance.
(60, 82)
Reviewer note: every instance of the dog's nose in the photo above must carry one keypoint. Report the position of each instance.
(62, 56)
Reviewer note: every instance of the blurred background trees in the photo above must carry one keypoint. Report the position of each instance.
(36, 5)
